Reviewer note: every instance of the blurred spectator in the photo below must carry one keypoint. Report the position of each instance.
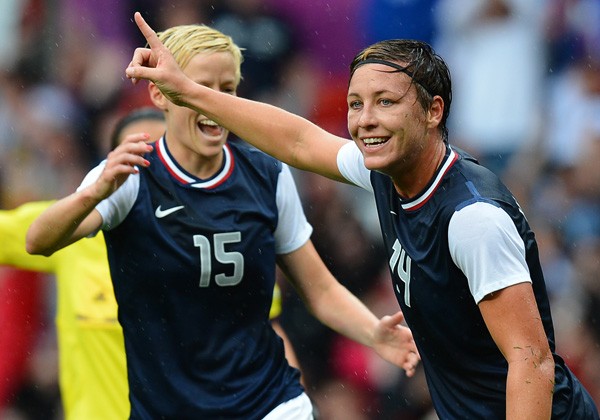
(329, 34)
(21, 318)
(329, 30)
(583, 220)
(11, 14)
(573, 110)
(494, 50)
(42, 157)
(558, 266)
(571, 27)
(578, 321)
(266, 39)
(180, 12)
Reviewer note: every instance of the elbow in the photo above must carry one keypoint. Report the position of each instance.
(548, 367)
(33, 247)
(544, 365)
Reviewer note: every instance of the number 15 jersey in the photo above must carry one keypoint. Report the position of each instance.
(193, 267)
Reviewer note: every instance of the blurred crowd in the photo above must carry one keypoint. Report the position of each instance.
(526, 103)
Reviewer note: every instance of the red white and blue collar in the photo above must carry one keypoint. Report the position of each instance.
(185, 178)
(420, 201)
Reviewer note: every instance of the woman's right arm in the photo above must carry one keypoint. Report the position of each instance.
(286, 136)
(63, 223)
(75, 217)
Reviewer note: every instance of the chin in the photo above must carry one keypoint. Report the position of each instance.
(373, 163)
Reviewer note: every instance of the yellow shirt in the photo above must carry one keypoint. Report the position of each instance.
(93, 374)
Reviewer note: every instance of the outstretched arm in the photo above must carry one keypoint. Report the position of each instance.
(74, 217)
(288, 137)
(340, 310)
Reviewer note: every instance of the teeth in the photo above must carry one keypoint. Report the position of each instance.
(375, 140)
(208, 122)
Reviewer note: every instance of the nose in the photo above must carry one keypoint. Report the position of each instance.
(366, 117)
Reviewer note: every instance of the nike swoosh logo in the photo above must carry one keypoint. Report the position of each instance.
(160, 213)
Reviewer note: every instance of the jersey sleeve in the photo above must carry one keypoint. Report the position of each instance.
(293, 230)
(351, 164)
(485, 245)
(13, 228)
(115, 208)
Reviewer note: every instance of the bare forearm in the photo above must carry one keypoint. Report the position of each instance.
(56, 226)
(286, 136)
(344, 313)
(529, 389)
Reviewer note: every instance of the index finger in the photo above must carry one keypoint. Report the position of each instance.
(147, 31)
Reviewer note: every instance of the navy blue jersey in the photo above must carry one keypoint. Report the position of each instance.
(193, 267)
(466, 372)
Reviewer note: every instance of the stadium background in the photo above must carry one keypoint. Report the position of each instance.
(527, 103)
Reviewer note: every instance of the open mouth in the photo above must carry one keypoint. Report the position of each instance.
(374, 141)
(210, 128)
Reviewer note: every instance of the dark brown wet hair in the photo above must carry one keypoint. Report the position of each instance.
(417, 59)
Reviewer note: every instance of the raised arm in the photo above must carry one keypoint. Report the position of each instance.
(288, 137)
(75, 217)
(340, 310)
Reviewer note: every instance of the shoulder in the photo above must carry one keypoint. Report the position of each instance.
(468, 182)
(247, 153)
(253, 164)
(351, 165)
(479, 214)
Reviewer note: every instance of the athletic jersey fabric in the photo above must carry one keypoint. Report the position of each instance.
(92, 369)
(193, 266)
(434, 241)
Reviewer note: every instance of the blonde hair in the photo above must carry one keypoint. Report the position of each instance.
(186, 41)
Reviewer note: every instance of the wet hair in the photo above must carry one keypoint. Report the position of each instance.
(140, 114)
(186, 41)
(428, 71)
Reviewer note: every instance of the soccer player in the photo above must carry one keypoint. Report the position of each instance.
(92, 369)
(463, 259)
(194, 226)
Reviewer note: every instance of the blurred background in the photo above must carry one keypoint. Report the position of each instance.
(526, 81)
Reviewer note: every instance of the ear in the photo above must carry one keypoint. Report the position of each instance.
(436, 112)
(158, 99)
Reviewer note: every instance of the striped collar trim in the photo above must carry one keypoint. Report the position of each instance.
(423, 198)
(185, 178)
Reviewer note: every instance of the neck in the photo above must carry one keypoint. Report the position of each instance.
(202, 165)
(410, 184)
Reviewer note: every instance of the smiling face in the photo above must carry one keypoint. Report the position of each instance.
(195, 141)
(209, 58)
(386, 120)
